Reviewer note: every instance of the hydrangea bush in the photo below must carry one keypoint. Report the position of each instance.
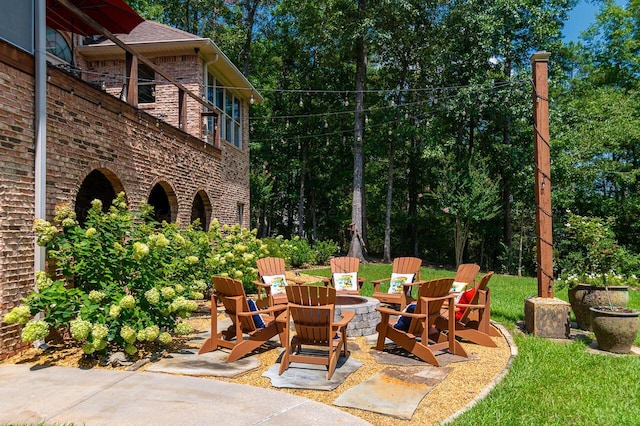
(127, 281)
(123, 281)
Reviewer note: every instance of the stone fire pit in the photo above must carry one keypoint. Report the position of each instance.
(366, 319)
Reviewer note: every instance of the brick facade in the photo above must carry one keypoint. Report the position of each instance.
(88, 130)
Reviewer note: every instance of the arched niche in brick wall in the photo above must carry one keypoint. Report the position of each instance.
(201, 209)
(164, 202)
(101, 184)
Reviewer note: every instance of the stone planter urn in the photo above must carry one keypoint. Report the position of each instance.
(615, 329)
(585, 296)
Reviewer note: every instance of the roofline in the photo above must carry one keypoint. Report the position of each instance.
(204, 47)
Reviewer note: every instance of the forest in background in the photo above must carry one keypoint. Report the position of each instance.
(412, 120)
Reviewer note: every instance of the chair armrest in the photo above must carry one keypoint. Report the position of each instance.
(346, 317)
(376, 284)
(276, 308)
(404, 314)
(466, 305)
(389, 311)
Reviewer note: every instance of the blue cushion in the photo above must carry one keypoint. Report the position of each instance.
(403, 322)
(257, 319)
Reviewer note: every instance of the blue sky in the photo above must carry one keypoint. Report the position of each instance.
(580, 18)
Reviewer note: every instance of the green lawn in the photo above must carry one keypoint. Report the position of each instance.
(549, 382)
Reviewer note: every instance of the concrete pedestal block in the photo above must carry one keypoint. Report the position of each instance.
(547, 317)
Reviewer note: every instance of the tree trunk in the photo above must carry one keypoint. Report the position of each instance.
(387, 215)
(246, 51)
(357, 208)
(301, 198)
(461, 234)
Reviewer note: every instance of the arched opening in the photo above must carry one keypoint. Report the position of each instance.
(97, 185)
(201, 209)
(163, 200)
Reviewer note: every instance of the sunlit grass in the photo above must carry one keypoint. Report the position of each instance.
(550, 382)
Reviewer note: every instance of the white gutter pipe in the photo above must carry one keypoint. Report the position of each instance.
(40, 169)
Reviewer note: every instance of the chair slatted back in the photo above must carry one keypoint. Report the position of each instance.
(467, 272)
(407, 265)
(433, 288)
(480, 286)
(268, 266)
(311, 308)
(344, 265)
(227, 290)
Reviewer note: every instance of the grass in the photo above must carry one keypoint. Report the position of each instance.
(550, 382)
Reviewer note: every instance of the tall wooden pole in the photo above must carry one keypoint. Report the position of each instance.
(542, 159)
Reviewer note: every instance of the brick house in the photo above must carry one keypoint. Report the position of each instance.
(165, 121)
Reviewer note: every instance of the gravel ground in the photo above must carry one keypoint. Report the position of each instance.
(467, 380)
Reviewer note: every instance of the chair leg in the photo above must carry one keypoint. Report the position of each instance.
(381, 328)
(211, 344)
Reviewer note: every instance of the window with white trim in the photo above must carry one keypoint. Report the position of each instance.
(230, 108)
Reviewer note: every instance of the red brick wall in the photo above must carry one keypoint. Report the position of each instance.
(87, 130)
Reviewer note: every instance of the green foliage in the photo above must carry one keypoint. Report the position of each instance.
(593, 255)
(324, 250)
(297, 252)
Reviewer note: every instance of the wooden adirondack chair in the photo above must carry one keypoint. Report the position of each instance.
(473, 323)
(431, 296)
(231, 294)
(344, 265)
(401, 265)
(311, 310)
(466, 273)
(271, 267)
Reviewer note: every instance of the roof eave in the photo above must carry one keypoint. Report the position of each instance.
(204, 47)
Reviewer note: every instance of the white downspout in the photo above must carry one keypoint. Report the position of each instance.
(40, 171)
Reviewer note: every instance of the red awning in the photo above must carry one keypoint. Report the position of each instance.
(114, 15)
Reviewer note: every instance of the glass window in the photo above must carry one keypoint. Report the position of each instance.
(146, 84)
(210, 88)
(57, 46)
(240, 213)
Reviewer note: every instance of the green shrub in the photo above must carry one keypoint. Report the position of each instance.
(324, 250)
(297, 252)
(126, 280)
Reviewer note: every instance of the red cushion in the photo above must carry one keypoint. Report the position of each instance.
(465, 298)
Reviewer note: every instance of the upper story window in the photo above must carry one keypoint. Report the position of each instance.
(146, 84)
(230, 109)
(58, 46)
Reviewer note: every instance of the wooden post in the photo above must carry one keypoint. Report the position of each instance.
(542, 165)
(131, 69)
(182, 110)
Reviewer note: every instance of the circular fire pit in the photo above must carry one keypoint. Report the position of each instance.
(366, 318)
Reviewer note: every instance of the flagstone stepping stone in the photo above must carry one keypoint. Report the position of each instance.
(311, 376)
(188, 362)
(395, 391)
(395, 355)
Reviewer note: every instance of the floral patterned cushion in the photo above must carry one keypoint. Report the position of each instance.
(348, 281)
(277, 283)
(397, 282)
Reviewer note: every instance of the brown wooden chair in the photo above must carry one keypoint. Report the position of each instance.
(311, 309)
(405, 266)
(231, 294)
(473, 322)
(268, 268)
(345, 265)
(466, 273)
(421, 338)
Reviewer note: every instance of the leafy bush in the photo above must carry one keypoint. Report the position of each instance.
(324, 250)
(297, 252)
(234, 251)
(593, 254)
(128, 281)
